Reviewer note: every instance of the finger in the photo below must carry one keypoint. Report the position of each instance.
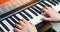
(22, 23)
(31, 23)
(16, 30)
(45, 10)
(45, 14)
(47, 7)
(45, 18)
(19, 26)
(25, 21)
(50, 9)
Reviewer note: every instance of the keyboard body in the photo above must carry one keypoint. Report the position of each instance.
(31, 12)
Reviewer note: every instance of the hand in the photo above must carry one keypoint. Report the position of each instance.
(25, 26)
(51, 13)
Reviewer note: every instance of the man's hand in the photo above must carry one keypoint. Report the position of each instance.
(25, 26)
(51, 13)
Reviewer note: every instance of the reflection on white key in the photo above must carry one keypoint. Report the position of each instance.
(18, 2)
(11, 20)
(3, 28)
(15, 3)
(19, 16)
(1, 10)
(7, 24)
(12, 4)
(26, 1)
(39, 5)
(6, 7)
(14, 18)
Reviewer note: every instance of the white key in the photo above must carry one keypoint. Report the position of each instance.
(58, 7)
(48, 3)
(38, 17)
(11, 20)
(52, 5)
(29, 18)
(14, 18)
(3, 28)
(19, 16)
(11, 31)
(34, 20)
(43, 4)
(36, 8)
(27, 0)
(39, 5)
(7, 24)
(33, 10)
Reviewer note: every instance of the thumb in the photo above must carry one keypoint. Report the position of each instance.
(45, 18)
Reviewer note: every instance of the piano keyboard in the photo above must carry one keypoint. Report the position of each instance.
(30, 13)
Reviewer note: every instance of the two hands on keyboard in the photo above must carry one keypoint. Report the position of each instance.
(25, 26)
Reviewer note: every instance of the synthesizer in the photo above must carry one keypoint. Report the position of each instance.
(12, 13)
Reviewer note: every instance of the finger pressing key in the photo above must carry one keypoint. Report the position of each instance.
(19, 26)
(25, 21)
(21, 23)
(16, 30)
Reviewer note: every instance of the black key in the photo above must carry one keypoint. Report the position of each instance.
(4, 26)
(10, 22)
(55, 1)
(13, 20)
(1, 30)
(28, 14)
(59, 12)
(36, 10)
(42, 4)
(33, 12)
(58, 0)
(46, 4)
(37, 7)
(16, 17)
(23, 16)
(51, 2)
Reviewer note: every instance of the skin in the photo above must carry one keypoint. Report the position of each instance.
(51, 13)
(25, 26)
